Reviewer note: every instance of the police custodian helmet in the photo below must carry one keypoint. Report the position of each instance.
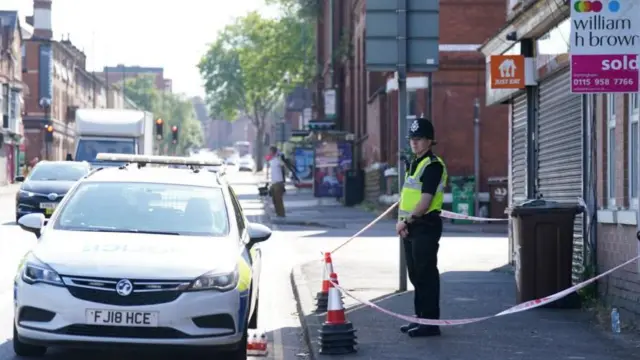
(422, 128)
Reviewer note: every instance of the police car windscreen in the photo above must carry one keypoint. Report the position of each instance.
(146, 208)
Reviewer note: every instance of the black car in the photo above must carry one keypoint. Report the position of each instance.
(46, 185)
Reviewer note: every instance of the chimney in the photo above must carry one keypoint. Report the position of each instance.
(42, 19)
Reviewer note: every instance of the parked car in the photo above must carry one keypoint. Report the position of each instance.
(46, 185)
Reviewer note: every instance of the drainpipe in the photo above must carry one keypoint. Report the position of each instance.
(331, 43)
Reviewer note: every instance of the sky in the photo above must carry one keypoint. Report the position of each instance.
(169, 34)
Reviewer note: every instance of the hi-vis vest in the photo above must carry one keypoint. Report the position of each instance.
(412, 189)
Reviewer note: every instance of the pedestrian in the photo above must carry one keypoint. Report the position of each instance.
(69, 157)
(420, 226)
(277, 165)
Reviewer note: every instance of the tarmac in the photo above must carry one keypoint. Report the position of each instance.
(475, 282)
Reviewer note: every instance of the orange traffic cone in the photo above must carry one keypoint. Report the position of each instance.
(252, 342)
(261, 345)
(337, 335)
(323, 296)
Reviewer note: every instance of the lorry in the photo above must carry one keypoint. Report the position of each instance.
(120, 131)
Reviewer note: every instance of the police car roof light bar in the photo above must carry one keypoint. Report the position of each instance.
(153, 159)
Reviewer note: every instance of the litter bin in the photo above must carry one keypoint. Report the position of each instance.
(543, 238)
(498, 196)
(463, 192)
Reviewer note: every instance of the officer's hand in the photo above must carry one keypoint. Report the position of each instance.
(401, 229)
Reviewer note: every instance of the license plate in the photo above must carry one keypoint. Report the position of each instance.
(48, 206)
(122, 318)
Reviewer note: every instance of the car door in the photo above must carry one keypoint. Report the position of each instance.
(253, 254)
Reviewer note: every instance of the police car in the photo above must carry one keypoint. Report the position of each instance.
(141, 255)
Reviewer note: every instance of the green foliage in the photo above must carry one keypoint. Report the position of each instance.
(169, 107)
(308, 9)
(253, 62)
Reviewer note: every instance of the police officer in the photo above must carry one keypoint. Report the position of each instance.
(420, 225)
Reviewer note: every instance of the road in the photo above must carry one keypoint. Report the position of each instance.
(278, 309)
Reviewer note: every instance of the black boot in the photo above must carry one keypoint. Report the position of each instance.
(407, 327)
(424, 331)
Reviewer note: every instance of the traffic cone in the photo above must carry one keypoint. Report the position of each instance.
(322, 297)
(261, 345)
(252, 344)
(337, 335)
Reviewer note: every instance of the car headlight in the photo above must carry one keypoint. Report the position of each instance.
(215, 280)
(35, 271)
(25, 193)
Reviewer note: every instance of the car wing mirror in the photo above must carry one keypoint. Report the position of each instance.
(258, 232)
(32, 223)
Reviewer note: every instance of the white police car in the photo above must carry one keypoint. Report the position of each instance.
(141, 256)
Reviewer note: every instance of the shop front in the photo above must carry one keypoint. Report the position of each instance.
(560, 129)
(546, 127)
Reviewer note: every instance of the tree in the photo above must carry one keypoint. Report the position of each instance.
(174, 110)
(253, 62)
(308, 9)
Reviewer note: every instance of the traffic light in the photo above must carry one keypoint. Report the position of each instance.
(159, 129)
(174, 134)
(48, 132)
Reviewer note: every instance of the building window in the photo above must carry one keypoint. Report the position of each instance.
(24, 57)
(611, 150)
(412, 104)
(634, 117)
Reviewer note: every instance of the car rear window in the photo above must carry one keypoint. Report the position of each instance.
(67, 171)
(144, 207)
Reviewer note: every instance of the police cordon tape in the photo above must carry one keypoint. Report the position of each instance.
(532, 304)
(444, 213)
(528, 305)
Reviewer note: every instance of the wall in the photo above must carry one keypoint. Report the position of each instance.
(616, 240)
(464, 25)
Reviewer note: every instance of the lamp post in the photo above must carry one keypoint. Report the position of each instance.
(45, 104)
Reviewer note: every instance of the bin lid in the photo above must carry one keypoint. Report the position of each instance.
(538, 206)
(497, 180)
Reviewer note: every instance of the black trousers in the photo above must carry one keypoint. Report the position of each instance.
(421, 250)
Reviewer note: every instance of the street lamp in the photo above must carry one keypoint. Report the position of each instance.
(45, 104)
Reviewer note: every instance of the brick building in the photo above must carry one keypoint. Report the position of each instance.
(11, 91)
(116, 74)
(55, 74)
(367, 102)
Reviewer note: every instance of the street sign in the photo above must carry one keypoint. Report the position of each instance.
(507, 72)
(604, 46)
(385, 22)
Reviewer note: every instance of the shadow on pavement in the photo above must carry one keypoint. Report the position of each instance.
(158, 353)
(536, 334)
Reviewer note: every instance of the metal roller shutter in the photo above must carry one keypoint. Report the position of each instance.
(560, 152)
(519, 149)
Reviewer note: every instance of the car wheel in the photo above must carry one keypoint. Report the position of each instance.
(26, 350)
(253, 322)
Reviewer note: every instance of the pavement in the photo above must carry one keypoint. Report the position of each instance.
(302, 209)
(278, 307)
(10, 189)
(369, 268)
